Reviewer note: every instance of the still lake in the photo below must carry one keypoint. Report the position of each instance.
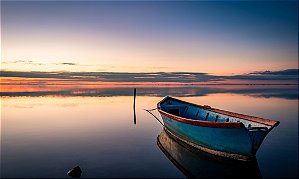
(47, 130)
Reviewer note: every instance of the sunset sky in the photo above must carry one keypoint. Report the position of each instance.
(218, 38)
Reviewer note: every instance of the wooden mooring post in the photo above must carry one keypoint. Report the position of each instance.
(134, 106)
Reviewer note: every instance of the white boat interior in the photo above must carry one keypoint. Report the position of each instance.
(206, 113)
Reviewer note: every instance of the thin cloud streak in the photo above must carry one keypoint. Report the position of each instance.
(98, 67)
(27, 62)
(67, 63)
(30, 62)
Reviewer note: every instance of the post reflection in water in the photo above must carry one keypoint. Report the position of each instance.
(194, 163)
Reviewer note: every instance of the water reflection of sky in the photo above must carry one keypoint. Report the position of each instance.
(44, 135)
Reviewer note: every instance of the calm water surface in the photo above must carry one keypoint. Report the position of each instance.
(45, 131)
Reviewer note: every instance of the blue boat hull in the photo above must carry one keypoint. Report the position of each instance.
(228, 142)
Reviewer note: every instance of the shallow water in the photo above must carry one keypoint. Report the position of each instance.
(47, 130)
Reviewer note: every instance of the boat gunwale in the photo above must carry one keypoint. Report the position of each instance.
(272, 123)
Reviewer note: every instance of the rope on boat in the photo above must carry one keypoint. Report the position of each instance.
(149, 111)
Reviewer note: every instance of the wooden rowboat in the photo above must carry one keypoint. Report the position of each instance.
(216, 131)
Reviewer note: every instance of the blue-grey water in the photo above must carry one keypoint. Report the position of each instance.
(45, 131)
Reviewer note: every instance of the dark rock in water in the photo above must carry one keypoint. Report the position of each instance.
(75, 172)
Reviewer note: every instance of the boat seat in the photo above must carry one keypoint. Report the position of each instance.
(167, 106)
(256, 128)
(175, 109)
(191, 112)
(197, 114)
(172, 106)
(216, 118)
(207, 116)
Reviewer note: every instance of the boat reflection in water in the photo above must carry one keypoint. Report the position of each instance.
(195, 163)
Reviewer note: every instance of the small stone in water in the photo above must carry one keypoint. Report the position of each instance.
(75, 172)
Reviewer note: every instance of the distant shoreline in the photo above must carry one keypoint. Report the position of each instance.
(152, 83)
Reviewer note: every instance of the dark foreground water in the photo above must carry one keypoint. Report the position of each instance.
(45, 131)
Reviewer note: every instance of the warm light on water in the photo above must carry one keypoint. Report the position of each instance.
(46, 134)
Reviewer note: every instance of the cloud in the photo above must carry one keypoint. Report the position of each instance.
(283, 75)
(288, 72)
(28, 62)
(67, 63)
(115, 77)
(185, 77)
(17, 61)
